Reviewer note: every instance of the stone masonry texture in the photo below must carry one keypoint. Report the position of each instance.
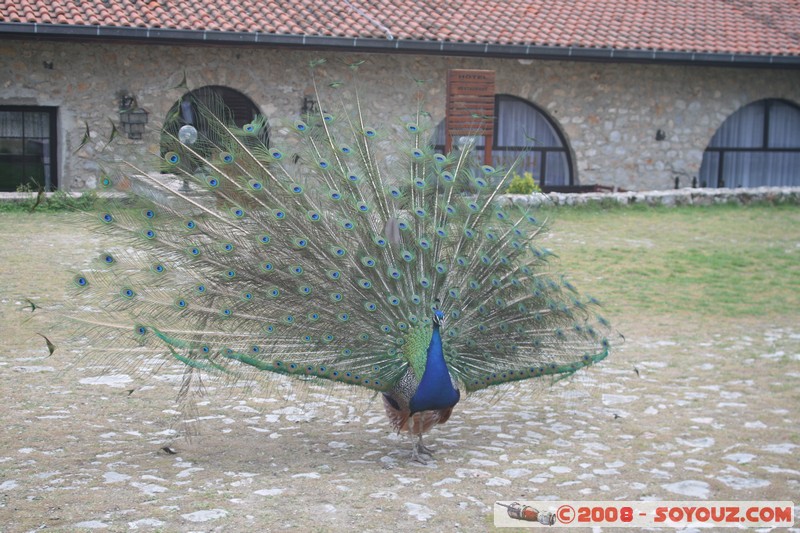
(609, 113)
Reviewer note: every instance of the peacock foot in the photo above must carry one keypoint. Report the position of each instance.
(417, 457)
(419, 450)
(424, 449)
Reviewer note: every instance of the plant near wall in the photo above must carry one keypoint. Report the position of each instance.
(59, 200)
(63, 201)
(524, 184)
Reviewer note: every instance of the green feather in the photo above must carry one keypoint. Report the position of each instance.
(415, 348)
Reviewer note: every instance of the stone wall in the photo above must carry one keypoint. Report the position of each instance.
(608, 112)
(669, 198)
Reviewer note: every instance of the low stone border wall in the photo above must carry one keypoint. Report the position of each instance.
(26, 196)
(773, 195)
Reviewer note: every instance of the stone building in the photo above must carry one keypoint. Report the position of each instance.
(618, 93)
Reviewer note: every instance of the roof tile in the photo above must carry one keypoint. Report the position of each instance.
(731, 26)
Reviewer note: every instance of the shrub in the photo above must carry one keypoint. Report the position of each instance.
(524, 184)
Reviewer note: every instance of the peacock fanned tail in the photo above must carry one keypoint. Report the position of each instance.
(328, 257)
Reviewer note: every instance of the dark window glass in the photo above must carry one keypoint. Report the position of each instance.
(222, 101)
(758, 145)
(27, 147)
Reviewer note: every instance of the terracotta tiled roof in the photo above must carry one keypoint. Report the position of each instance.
(769, 27)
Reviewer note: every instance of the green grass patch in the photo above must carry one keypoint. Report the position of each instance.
(722, 260)
(55, 202)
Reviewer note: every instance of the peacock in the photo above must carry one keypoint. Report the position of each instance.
(353, 252)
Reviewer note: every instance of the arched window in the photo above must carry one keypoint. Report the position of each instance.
(230, 103)
(521, 128)
(759, 145)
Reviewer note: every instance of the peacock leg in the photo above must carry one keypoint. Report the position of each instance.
(422, 448)
(419, 450)
(416, 456)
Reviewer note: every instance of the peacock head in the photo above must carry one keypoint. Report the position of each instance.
(438, 317)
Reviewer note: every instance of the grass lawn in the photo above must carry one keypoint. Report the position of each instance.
(696, 264)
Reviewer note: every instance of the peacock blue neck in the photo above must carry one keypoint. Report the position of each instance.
(435, 390)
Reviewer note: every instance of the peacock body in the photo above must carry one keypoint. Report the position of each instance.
(356, 254)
